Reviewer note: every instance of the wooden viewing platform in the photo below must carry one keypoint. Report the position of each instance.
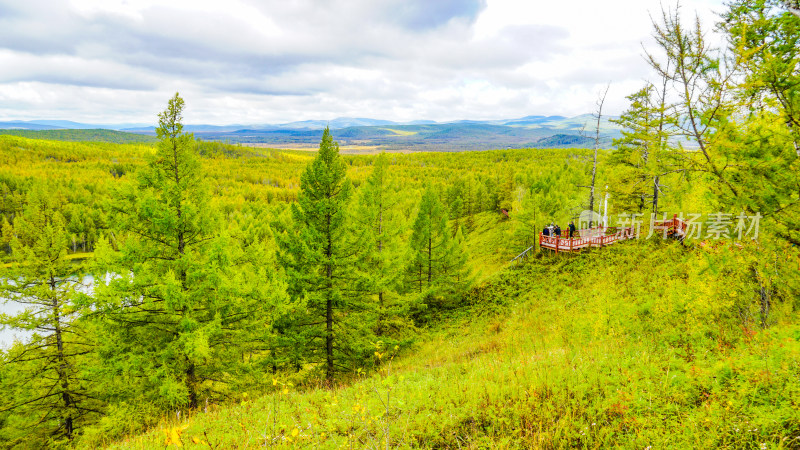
(604, 236)
(586, 238)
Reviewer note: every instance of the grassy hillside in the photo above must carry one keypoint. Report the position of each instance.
(94, 135)
(642, 345)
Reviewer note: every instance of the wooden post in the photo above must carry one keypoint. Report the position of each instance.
(535, 227)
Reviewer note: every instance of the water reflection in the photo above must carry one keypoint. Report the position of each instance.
(8, 335)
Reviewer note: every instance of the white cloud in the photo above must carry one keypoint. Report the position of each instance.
(265, 62)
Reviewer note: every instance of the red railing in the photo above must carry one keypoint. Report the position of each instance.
(671, 227)
(603, 236)
(587, 238)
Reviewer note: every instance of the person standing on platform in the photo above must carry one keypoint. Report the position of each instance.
(558, 231)
(571, 229)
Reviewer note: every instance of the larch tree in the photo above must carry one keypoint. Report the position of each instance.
(524, 214)
(380, 228)
(738, 106)
(437, 262)
(643, 155)
(183, 308)
(764, 39)
(6, 233)
(321, 258)
(469, 203)
(598, 115)
(702, 108)
(45, 392)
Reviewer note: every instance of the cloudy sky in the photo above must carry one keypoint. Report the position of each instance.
(275, 61)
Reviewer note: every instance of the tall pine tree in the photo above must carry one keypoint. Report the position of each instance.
(321, 259)
(764, 37)
(642, 154)
(180, 313)
(44, 390)
(380, 229)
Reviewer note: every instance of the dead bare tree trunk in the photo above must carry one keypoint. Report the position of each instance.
(764, 295)
(793, 6)
(663, 141)
(597, 116)
(656, 190)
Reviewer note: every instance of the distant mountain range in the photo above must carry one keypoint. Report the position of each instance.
(67, 125)
(529, 131)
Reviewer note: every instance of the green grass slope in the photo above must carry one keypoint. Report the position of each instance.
(90, 135)
(640, 345)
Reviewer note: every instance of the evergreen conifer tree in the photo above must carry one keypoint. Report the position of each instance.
(380, 228)
(44, 390)
(468, 208)
(525, 217)
(643, 155)
(321, 260)
(7, 232)
(437, 263)
(181, 311)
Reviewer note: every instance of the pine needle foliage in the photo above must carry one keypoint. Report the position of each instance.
(437, 261)
(328, 328)
(182, 305)
(45, 392)
(379, 227)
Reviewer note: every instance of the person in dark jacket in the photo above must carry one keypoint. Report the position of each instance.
(558, 231)
(546, 231)
(571, 229)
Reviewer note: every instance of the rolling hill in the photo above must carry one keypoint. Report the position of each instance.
(525, 132)
(82, 135)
